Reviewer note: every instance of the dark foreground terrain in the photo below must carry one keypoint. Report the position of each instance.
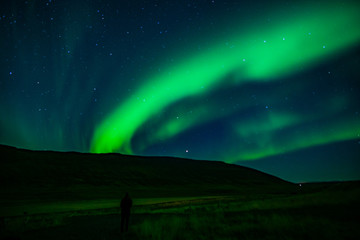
(49, 195)
(58, 176)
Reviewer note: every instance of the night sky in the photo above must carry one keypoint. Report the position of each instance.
(273, 85)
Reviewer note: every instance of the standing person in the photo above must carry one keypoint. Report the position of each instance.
(126, 204)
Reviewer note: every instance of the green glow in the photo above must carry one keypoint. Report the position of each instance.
(274, 122)
(294, 131)
(179, 124)
(288, 48)
(300, 139)
(263, 123)
(172, 125)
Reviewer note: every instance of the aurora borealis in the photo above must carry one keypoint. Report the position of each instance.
(274, 86)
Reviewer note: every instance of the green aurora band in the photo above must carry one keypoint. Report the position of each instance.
(306, 139)
(260, 55)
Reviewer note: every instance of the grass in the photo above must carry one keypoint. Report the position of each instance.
(229, 222)
(327, 214)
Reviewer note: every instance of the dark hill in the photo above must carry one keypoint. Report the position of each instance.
(46, 175)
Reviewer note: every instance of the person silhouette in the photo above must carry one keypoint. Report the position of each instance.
(126, 204)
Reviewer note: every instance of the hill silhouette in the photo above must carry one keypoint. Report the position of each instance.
(48, 175)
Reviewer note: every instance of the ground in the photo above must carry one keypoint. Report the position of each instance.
(324, 212)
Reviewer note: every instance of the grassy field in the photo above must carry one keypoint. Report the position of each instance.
(329, 212)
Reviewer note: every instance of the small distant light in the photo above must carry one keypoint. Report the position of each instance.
(264, 41)
(266, 107)
(94, 88)
(283, 38)
(300, 185)
(324, 46)
(186, 151)
(110, 54)
(68, 51)
(309, 33)
(10, 73)
(243, 59)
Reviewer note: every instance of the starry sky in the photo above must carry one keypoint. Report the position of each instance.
(272, 85)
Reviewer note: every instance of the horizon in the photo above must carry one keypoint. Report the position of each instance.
(256, 167)
(268, 85)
